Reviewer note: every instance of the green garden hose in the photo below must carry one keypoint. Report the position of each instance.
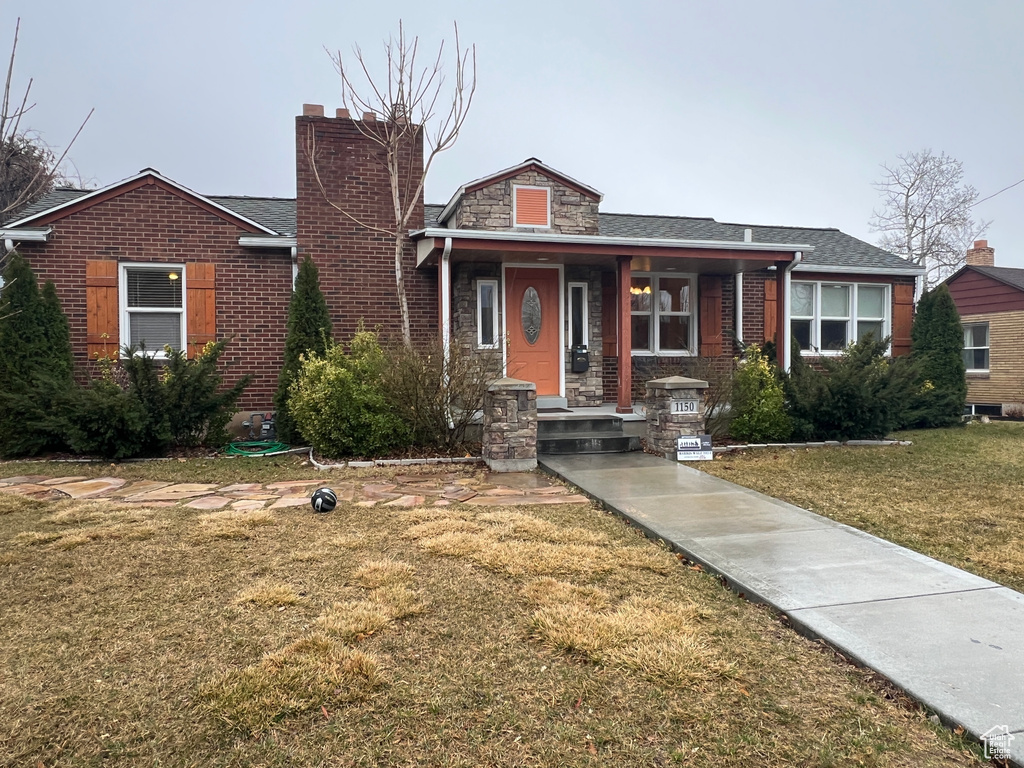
(255, 448)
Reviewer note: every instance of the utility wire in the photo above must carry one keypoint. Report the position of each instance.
(978, 202)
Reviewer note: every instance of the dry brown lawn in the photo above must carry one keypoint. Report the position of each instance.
(956, 494)
(442, 636)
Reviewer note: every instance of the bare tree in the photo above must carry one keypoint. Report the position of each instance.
(413, 101)
(28, 166)
(926, 214)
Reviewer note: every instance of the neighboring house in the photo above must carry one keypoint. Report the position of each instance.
(521, 263)
(990, 301)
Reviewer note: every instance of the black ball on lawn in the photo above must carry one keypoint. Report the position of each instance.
(323, 500)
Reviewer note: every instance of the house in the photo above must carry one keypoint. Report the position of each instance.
(990, 301)
(521, 263)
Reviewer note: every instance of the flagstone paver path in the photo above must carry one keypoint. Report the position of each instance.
(514, 488)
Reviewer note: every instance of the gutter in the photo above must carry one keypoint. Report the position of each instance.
(909, 271)
(14, 234)
(268, 241)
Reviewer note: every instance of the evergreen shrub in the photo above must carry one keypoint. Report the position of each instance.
(35, 361)
(339, 404)
(758, 405)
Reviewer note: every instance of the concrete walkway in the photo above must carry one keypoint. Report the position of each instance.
(952, 640)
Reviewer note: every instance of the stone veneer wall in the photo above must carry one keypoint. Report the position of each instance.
(663, 426)
(510, 426)
(572, 213)
(585, 389)
(464, 280)
(581, 389)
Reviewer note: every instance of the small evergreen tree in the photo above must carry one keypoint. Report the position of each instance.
(36, 363)
(309, 329)
(937, 342)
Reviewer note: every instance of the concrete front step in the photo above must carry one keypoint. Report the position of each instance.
(564, 424)
(587, 442)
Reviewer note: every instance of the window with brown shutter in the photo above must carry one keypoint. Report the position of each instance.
(531, 206)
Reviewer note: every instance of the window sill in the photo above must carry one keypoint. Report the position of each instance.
(977, 374)
(680, 353)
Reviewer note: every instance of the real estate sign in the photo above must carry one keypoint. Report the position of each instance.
(694, 448)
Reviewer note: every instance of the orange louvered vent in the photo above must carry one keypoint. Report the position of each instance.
(532, 207)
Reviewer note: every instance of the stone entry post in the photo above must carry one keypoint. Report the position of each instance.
(510, 426)
(675, 406)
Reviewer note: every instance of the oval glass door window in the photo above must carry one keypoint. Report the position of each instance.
(531, 315)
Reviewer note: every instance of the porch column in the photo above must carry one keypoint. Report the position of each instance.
(625, 340)
(781, 313)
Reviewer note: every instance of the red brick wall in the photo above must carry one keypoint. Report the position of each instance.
(357, 272)
(151, 224)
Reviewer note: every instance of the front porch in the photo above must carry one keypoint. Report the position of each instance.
(589, 319)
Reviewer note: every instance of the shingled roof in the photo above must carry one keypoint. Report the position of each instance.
(276, 213)
(832, 248)
(1009, 275)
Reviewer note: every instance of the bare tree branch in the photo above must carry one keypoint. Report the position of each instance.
(28, 166)
(406, 102)
(925, 215)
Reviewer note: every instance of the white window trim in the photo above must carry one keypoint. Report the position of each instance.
(122, 291)
(852, 317)
(515, 212)
(586, 313)
(655, 314)
(494, 315)
(988, 337)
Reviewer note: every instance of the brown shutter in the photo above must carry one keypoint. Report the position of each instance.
(710, 323)
(902, 318)
(608, 323)
(102, 307)
(770, 310)
(201, 320)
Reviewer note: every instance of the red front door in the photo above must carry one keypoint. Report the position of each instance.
(532, 321)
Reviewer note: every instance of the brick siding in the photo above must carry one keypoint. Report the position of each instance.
(151, 224)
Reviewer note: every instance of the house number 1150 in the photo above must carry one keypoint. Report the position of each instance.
(684, 406)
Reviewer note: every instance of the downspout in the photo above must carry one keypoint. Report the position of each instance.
(446, 315)
(748, 237)
(446, 298)
(295, 266)
(738, 302)
(9, 245)
(788, 328)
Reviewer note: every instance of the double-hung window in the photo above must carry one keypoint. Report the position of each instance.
(827, 317)
(152, 307)
(976, 347)
(662, 314)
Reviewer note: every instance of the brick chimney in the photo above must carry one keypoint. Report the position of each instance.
(981, 255)
(357, 271)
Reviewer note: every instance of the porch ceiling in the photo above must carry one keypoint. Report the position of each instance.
(696, 258)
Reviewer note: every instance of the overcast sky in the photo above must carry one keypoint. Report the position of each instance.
(755, 112)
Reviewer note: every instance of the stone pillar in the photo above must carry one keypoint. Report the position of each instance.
(671, 412)
(510, 426)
